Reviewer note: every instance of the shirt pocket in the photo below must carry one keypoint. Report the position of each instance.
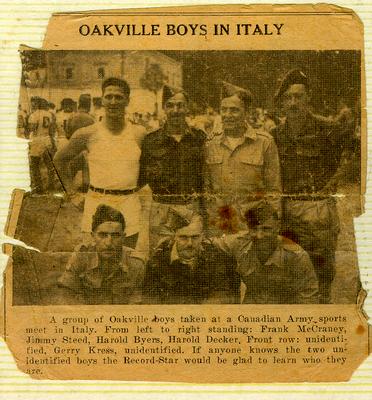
(214, 158)
(214, 163)
(249, 170)
(253, 157)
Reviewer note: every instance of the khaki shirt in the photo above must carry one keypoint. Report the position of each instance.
(252, 167)
(85, 278)
(287, 277)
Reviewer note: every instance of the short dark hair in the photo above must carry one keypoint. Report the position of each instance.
(36, 100)
(67, 102)
(260, 213)
(121, 83)
(43, 104)
(84, 101)
(106, 213)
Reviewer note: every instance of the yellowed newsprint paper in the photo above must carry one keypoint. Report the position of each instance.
(194, 176)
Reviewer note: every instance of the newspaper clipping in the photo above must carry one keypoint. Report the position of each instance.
(194, 177)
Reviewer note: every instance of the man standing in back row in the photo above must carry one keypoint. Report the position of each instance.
(114, 149)
(173, 165)
(309, 150)
(242, 165)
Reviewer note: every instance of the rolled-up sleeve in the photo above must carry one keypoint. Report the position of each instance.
(137, 268)
(306, 280)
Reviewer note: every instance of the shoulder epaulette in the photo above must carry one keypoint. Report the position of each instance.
(262, 132)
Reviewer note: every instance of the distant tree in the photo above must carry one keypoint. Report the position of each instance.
(153, 79)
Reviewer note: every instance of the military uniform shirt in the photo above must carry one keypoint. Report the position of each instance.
(171, 167)
(85, 278)
(309, 159)
(210, 278)
(251, 166)
(287, 277)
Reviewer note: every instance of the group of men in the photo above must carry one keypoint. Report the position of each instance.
(49, 130)
(217, 208)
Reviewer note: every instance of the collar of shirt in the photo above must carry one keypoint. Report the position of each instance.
(186, 132)
(93, 273)
(275, 259)
(174, 256)
(250, 134)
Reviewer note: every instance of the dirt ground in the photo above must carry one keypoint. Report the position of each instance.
(52, 226)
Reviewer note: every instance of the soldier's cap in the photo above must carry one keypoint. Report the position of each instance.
(67, 102)
(259, 213)
(228, 90)
(177, 219)
(169, 92)
(292, 77)
(84, 100)
(105, 213)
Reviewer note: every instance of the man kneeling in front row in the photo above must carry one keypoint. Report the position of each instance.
(274, 269)
(104, 272)
(186, 269)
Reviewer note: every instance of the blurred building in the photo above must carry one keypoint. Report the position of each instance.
(71, 73)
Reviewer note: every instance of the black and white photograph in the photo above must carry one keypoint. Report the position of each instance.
(189, 177)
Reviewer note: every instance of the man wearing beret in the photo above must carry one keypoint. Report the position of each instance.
(185, 269)
(309, 149)
(242, 164)
(274, 269)
(173, 164)
(104, 272)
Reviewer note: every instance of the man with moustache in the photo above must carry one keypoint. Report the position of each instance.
(113, 148)
(104, 272)
(309, 149)
(242, 164)
(173, 164)
(186, 269)
(274, 269)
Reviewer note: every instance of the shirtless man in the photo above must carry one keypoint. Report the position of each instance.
(114, 149)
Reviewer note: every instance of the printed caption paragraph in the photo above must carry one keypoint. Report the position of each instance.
(241, 339)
